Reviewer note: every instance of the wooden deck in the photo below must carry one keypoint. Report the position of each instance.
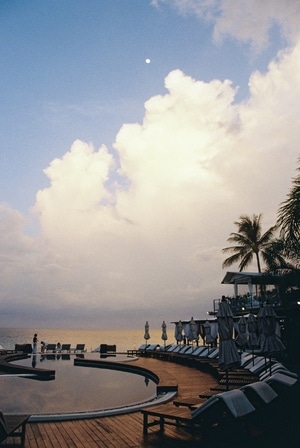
(126, 430)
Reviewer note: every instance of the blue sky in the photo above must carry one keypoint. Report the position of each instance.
(120, 179)
(73, 69)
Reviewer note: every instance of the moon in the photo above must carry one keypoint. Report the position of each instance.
(147, 61)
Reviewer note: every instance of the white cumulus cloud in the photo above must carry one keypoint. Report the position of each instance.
(249, 21)
(152, 248)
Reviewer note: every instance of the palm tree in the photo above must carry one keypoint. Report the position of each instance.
(289, 219)
(249, 242)
(276, 258)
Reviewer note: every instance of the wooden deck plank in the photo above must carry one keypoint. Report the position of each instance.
(122, 431)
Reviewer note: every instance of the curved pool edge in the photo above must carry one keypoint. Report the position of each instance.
(104, 412)
(164, 392)
(115, 365)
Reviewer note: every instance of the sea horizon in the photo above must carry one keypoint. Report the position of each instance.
(124, 339)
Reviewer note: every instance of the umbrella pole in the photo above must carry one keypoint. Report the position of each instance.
(227, 386)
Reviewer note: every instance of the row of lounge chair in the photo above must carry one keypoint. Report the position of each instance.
(176, 349)
(52, 348)
(251, 364)
(252, 409)
(262, 389)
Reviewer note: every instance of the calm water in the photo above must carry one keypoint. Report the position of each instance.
(124, 339)
(75, 388)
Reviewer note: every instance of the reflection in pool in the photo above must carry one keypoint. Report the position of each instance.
(76, 389)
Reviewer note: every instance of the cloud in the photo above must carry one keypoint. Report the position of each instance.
(115, 251)
(248, 21)
(76, 193)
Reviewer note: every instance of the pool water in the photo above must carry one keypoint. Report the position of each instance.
(75, 389)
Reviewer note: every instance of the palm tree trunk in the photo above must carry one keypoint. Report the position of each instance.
(258, 262)
(259, 270)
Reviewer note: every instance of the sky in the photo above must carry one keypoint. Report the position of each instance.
(134, 134)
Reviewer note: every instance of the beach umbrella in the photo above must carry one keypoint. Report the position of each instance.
(202, 332)
(193, 330)
(252, 333)
(164, 335)
(178, 332)
(147, 334)
(270, 342)
(241, 339)
(229, 357)
(209, 339)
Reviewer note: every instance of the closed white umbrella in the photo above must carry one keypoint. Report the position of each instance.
(252, 333)
(164, 335)
(241, 339)
(178, 332)
(147, 334)
(193, 330)
(209, 339)
(229, 357)
(270, 343)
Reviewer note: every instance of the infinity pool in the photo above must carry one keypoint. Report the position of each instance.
(75, 389)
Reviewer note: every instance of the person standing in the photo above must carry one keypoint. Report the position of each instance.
(34, 343)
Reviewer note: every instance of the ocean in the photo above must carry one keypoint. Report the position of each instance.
(75, 389)
(123, 339)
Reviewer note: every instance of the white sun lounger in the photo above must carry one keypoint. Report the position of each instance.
(235, 401)
(262, 389)
(278, 367)
(199, 350)
(281, 378)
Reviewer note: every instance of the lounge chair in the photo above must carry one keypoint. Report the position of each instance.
(179, 348)
(278, 367)
(13, 426)
(189, 350)
(80, 348)
(281, 380)
(268, 407)
(110, 349)
(204, 353)
(246, 358)
(50, 348)
(261, 390)
(213, 354)
(261, 366)
(199, 350)
(249, 361)
(143, 347)
(184, 349)
(218, 412)
(66, 347)
(172, 348)
(152, 347)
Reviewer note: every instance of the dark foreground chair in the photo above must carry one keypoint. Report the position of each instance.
(13, 426)
(222, 415)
